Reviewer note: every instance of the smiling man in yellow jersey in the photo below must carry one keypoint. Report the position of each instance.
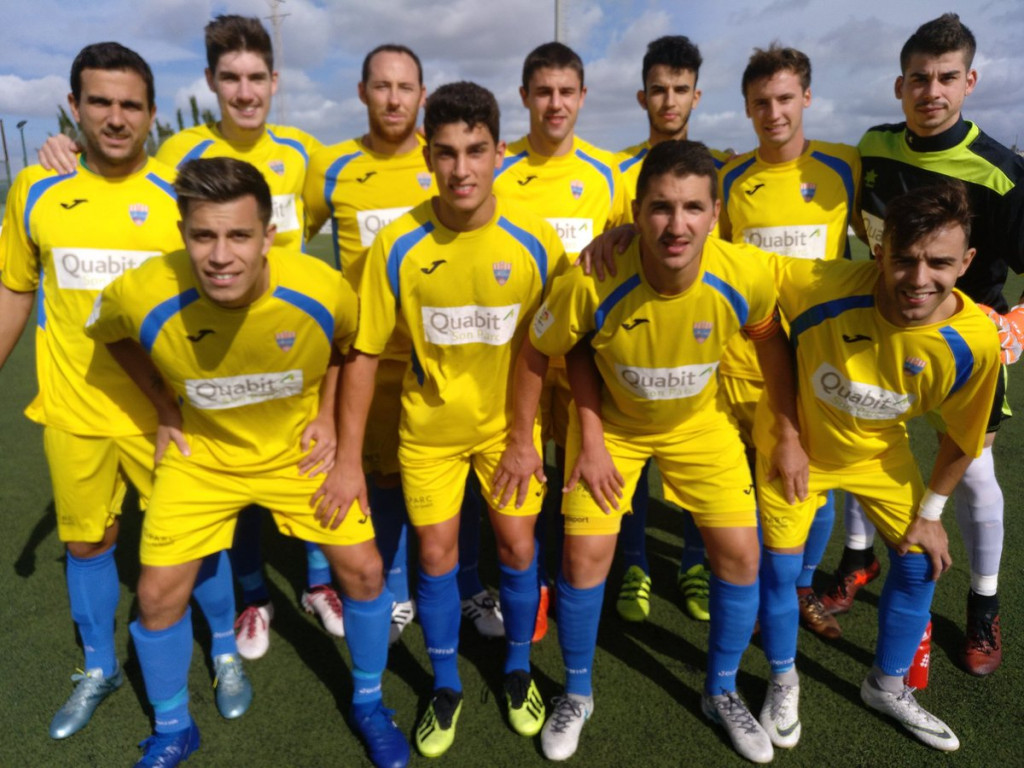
(64, 238)
(462, 273)
(797, 197)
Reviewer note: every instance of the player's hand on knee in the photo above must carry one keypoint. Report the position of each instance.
(597, 470)
(334, 497)
(519, 462)
(791, 465)
(930, 536)
(59, 153)
(599, 255)
(320, 439)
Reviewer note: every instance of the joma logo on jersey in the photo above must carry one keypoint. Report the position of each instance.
(277, 167)
(470, 324)
(90, 269)
(285, 340)
(576, 187)
(138, 212)
(807, 191)
(666, 383)
(913, 366)
(501, 270)
(701, 331)
(235, 391)
(863, 401)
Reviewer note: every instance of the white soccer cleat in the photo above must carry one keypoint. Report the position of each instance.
(779, 716)
(904, 708)
(561, 733)
(746, 734)
(323, 602)
(402, 615)
(252, 630)
(485, 613)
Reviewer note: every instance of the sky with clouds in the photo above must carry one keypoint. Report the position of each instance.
(854, 50)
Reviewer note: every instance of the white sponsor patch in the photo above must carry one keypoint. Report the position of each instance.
(576, 234)
(666, 383)
(873, 225)
(542, 320)
(285, 216)
(803, 242)
(864, 401)
(470, 324)
(372, 222)
(91, 269)
(236, 391)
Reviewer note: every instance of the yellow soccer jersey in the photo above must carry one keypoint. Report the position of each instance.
(630, 159)
(798, 208)
(360, 192)
(860, 378)
(580, 193)
(248, 380)
(658, 354)
(466, 297)
(66, 237)
(281, 154)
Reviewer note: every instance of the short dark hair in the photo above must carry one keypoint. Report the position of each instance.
(391, 48)
(673, 51)
(938, 36)
(776, 59)
(918, 213)
(222, 180)
(461, 102)
(111, 56)
(229, 33)
(680, 157)
(551, 56)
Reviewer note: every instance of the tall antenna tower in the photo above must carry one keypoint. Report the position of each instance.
(276, 17)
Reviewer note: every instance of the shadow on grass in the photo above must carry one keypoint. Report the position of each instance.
(25, 565)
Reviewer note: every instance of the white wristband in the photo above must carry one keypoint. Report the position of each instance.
(931, 505)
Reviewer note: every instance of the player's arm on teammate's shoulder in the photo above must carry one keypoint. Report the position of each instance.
(600, 254)
(15, 308)
(59, 153)
(320, 435)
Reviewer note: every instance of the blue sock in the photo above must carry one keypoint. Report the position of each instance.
(469, 539)
(780, 611)
(633, 533)
(440, 616)
(367, 623)
(214, 593)
(579, 613)
(817, 539)
(93, 591)
(519, 600)
(733, 612)
(391, 524)
(903, 611)
(246, 558)
(693, 543)
(318, 570)
(164, 657)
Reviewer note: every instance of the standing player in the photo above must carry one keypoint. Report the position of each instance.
(936, 143)
(236, 409)
(793, 196)
(361, 185)
(658, 330)
(462, 273)
(65, 237)
(930, 349)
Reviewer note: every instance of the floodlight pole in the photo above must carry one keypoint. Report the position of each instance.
(559, 22)
(24, 152)
(7, 158)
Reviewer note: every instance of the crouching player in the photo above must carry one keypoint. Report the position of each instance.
(878, 343)
(657, 330)
(231, 341)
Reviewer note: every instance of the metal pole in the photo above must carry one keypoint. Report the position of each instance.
(559, 26)
(7, 158)
(24, 152)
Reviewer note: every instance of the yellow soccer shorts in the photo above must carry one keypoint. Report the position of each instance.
(193, 510)
(555, 402)
(889, 492)
(89, 476)
(433, 487)
(704, 471)
(740, 398)
(380, 446)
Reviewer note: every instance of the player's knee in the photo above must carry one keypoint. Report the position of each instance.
(516, 554)
(85, 550)
(437, 557)
(161, 604)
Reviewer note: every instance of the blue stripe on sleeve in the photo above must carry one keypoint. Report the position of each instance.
(962, 356)
(311, 307)
(509, 161)
(197, 151)
(730, 178)
(35, 192)
(828, 310)
(629, 162)
(163, 184)
(845, 172)
(158, 316)
(296, 145)
(330, 182)
(603, 169)
(399, 249)
(530, 243)
(735, 298)
(614, 298)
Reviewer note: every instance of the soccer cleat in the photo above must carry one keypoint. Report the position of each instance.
(166, 750)
(436, 730)
(634, 603)
(92, 688)
(540, 627)
(983, 646)
(323, 602)
(746, 734)
(779, 715)
(839, 597)
(385, 743)
(231, 685)
(401, 615)
(561, 734)
(252, 630)
(694, 584)
(814, 617)
(485, 613)
(911, 715)
(525, 706)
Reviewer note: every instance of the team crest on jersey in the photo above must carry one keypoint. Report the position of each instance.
(807, 191)
(701, 331)
(577, 188)
(501, 269)
(285, 340)
(913, 366)
(423, 179)
(277, 167)
(139, 213)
